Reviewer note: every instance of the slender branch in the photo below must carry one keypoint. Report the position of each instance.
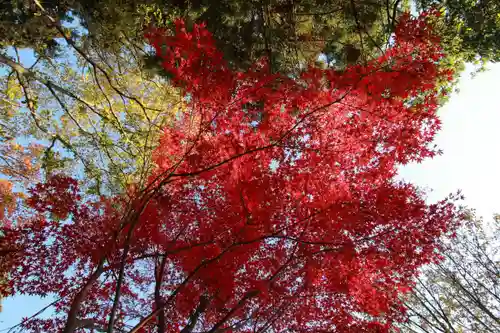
(158, 300)
(33, 316)
(193, 318)
(248, 295)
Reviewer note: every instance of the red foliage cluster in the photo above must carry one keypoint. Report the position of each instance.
(274, 206)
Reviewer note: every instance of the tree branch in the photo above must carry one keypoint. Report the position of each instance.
(72, 320)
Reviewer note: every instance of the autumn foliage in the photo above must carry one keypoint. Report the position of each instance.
(274, 205)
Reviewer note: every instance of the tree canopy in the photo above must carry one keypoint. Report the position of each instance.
(85, 109)
(470, 29)
(272, 202)
(288, 32)
(230, 166)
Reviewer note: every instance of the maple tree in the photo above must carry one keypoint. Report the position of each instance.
(273, 206)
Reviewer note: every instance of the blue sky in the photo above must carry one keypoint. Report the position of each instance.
(470, 138)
